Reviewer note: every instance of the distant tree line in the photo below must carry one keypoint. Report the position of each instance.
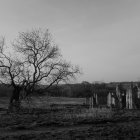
(81, 90)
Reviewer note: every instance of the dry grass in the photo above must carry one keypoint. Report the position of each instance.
(44, 101)
(71, 122)
(94, 113)
(47, 102)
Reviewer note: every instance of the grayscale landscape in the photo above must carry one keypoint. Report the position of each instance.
(69, 70)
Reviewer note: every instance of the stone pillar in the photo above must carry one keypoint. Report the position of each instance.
(109, 100)
(118, 94)
(138, 93)
(113, 100)
(129, 100)
(96, 99)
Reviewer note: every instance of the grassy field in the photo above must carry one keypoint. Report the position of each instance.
(44, 101)
(55, 118)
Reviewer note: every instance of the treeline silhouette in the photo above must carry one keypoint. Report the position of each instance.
(79, 90)
(65, 90)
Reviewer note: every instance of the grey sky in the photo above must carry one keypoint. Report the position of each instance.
(102, 36)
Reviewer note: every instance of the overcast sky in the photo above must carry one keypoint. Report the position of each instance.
(101, 36)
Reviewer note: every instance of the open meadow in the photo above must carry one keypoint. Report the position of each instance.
(66, 118)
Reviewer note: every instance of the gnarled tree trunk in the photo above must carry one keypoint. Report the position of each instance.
(14, 104)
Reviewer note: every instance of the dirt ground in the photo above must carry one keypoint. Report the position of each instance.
(52, 124)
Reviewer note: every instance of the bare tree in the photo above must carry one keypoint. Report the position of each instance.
(11, 70)
(41, 63)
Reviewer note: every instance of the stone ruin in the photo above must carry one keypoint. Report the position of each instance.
(123, 97)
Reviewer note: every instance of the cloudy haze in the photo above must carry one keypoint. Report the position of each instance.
(101, 36)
